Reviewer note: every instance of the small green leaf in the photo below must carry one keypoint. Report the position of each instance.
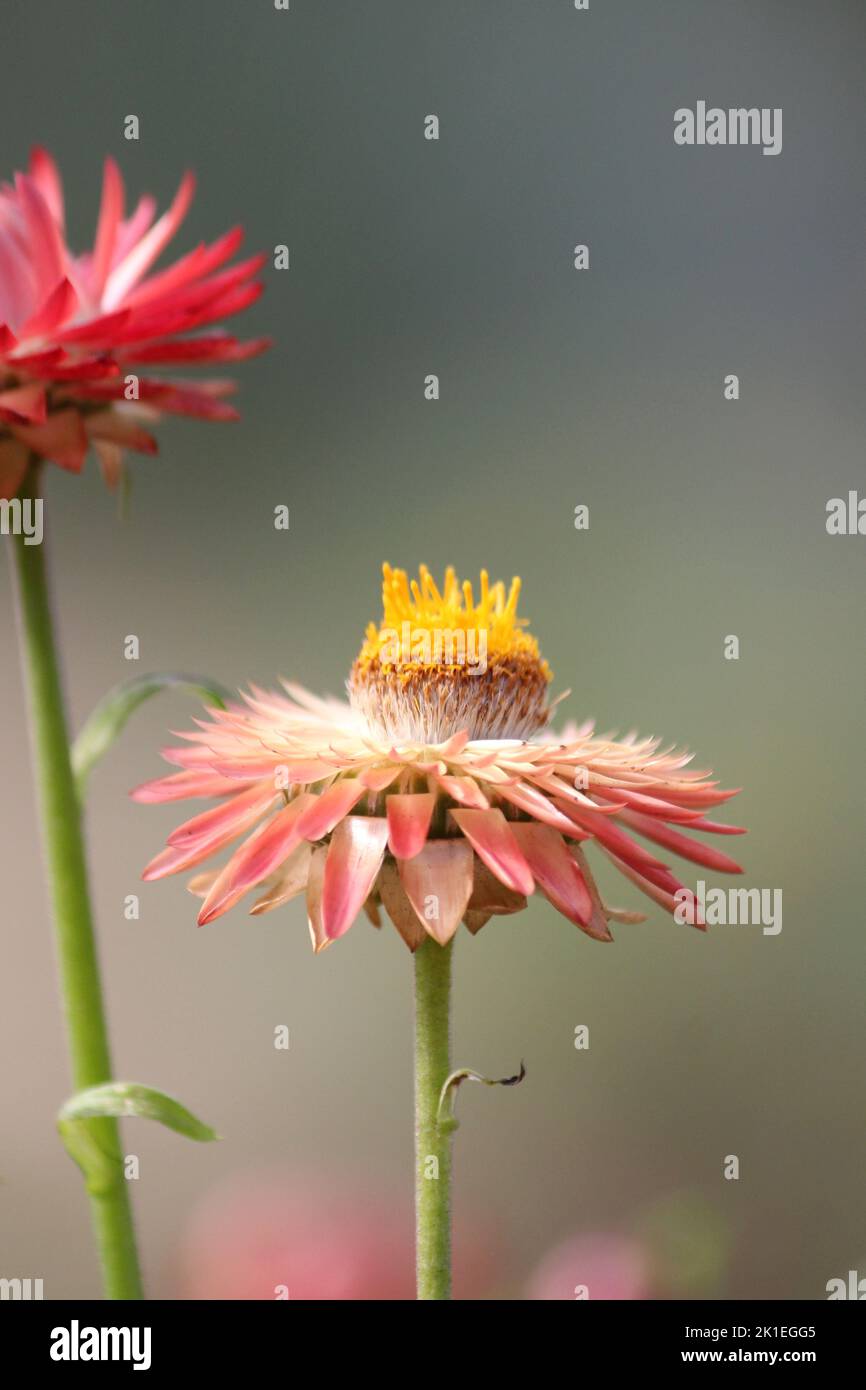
(118, 1099)
(111, 714)
(124, 1098)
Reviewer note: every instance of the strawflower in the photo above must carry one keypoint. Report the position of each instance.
(440, 794)
(75, 333)
(76, 330)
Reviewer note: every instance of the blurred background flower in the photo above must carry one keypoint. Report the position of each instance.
(264, 1235)
(75, 330)
(595, 1266)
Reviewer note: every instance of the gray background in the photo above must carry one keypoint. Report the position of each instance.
(707, 518)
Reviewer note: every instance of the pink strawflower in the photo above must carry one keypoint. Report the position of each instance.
(75, 328)
(439, 792)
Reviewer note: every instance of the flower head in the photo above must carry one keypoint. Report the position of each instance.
(75, 329)
(439, 664)
(437, 793)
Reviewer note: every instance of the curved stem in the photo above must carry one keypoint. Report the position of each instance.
(432, 1142)
(70, 899)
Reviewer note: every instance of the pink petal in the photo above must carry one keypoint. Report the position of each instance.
(194, 266)
(702, 797)
(25, 403)
(615, 839)
(649, 805)
(293, 769)
(144, 253)
(289, 882)
(178, 786)
(43, 363)
(110, 217)
(660, 875)
(46, 251)
(83, 369)
(354, 857)
(45, 175)
(57, 309)
(107, 424)
(490, 835)
(235, 815)
(376, 779)
(18, 290)
(715, 827)
(597, 926)
(658, 895)
(61, 438)
(197, 293)
(681, 844)
(99, 330)
(326, 810)
(196, 402)
(211, 347)
(465, 791)
(173, 860)
(452, 746)
(536, 804)
(556, 872)
(243, 769)
(574, 800)
(409, 819)
(257, 857)
(133, 228)
(438, 884)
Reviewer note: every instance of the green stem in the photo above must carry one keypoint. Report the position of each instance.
(70, 900)
(432, 1141)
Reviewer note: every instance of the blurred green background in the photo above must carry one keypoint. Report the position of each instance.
(557, 388)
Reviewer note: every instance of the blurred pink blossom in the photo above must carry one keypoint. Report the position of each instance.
(606, 1265)
(258, 1234)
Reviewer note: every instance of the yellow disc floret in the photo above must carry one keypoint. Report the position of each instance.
(439, 661)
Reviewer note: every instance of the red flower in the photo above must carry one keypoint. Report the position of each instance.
(75, 330)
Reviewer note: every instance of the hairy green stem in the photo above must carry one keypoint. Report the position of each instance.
(432, 1140)
(75, 943)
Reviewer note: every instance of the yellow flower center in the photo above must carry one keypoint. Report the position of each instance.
(440, 662)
